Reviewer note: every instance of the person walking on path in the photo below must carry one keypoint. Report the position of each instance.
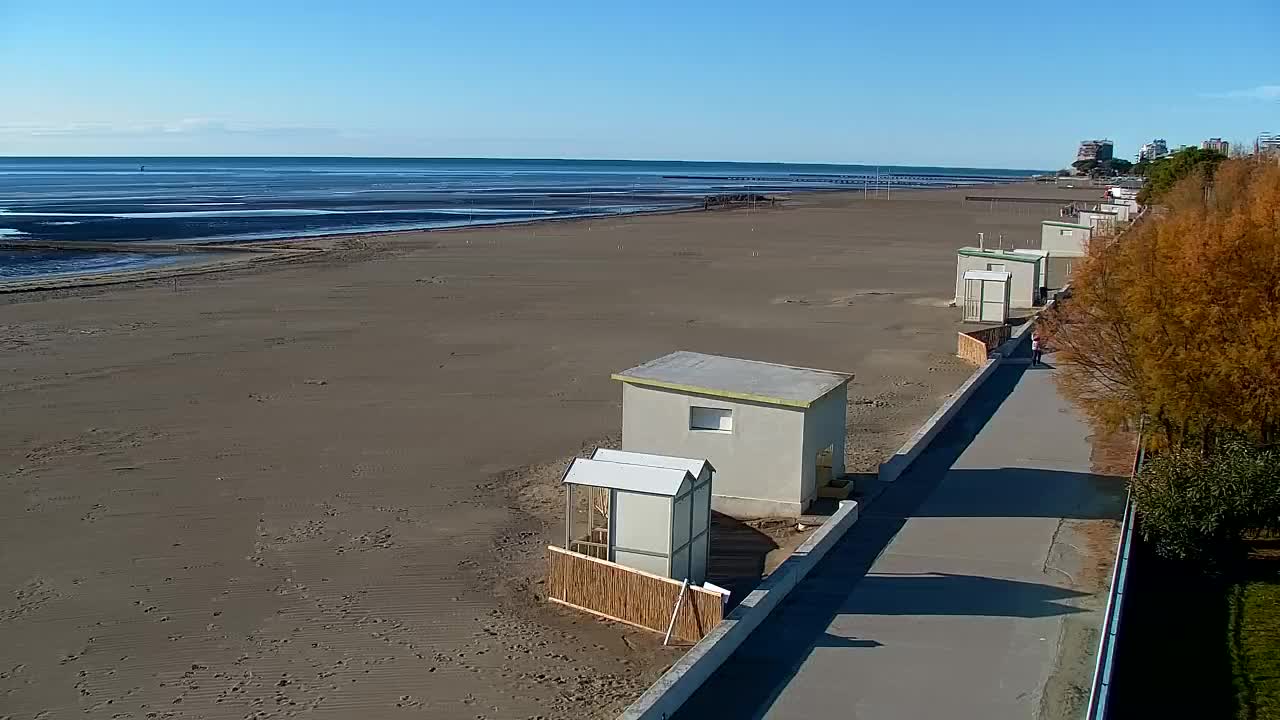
(1036, 349)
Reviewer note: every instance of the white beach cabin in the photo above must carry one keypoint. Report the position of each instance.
(1057, 267)
(1063, 237)
(775, 433)
(648, 512)
(1026, 271)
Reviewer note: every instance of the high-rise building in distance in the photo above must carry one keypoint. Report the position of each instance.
(1217, 145)
(1095, 150)
(1267, 144)
(1154, 150)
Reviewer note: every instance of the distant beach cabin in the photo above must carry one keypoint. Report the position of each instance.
(1055, 269)
(1124, 209)
(774, 433)
(1058, 268)
(1100, 221)
(648, 512)
(1025, 271)
(1064, 237)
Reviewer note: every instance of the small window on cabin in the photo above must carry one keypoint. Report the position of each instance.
(716, 419)
(1064, 233)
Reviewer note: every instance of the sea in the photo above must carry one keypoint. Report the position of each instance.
(217, 200)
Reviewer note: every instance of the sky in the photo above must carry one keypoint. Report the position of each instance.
(995, 83)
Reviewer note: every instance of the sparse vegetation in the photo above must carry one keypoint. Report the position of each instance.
(1163, 174)
(1103, 168)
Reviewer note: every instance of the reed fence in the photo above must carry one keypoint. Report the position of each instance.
(975, 345)
(630, 596)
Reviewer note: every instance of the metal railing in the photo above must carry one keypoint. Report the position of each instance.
(1101, 691)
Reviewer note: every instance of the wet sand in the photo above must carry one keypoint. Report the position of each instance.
(325, 487)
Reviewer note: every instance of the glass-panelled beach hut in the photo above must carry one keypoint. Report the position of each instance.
(643, 511)
(986, 296)
(1103, 222)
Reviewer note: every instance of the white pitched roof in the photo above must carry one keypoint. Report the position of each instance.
(624, 476)
(694, 467)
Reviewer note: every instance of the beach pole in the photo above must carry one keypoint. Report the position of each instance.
(675, 613)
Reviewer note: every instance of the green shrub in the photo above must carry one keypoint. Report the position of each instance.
(1198, 506)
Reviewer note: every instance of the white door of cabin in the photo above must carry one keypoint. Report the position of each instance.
(972, 300)
(993, 301)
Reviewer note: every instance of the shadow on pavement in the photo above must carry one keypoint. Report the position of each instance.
(750, 680)
(835, 641)
(1005, 492)
(952, 594)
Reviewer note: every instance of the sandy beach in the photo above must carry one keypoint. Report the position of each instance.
(325, 487)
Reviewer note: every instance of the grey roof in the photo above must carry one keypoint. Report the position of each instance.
(695, 467)
(624, 476)
(735, 379)
(1011, 255)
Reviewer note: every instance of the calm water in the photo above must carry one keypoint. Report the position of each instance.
(205, 199)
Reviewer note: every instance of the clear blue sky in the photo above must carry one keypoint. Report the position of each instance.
(1007, 83)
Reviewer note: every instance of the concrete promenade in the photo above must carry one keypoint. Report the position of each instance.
(969, 589)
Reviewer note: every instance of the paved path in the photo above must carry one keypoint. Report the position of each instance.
(953, 596)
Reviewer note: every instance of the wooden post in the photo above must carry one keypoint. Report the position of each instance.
(676, 613)
(568, 516)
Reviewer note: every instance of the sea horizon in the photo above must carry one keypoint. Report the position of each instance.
(533, 159)
(203, 199)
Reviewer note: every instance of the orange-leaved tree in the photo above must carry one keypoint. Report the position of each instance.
(1179, 318)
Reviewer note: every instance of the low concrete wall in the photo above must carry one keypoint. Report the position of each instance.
(916, 444)
(892, 468)
(677, 684)
(748, 508)
(1010, 346)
